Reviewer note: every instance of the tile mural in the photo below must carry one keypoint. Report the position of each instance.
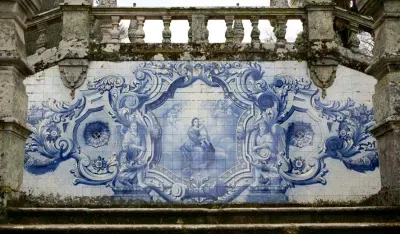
(200, 132)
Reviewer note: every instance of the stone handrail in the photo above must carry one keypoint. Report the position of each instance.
(179, 13)
(198, 18)
(99, 36)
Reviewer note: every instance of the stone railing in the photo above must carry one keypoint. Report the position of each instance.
(198, 19)
(39, 26)
(89, 33)
(108, 18)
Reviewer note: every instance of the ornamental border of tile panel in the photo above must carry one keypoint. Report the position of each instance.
(264, 166)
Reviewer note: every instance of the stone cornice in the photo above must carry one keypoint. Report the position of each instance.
(384, 65)
(320, 7)
(370, 7)
(364, 21)
(12, 125)
(389, 124)
(240, 52)
(19, 63)
(14, 16)
(177, 13)
(31, 7)
(384, 17)
(50, 15)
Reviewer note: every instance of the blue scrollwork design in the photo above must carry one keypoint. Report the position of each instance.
(118, 117)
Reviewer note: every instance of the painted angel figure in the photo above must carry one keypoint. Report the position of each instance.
(267, 144)
(131, 159)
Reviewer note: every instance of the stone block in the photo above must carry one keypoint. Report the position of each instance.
(388, 135)
(12, 146)
(199, 29)
(387, 97)
(320, 29)
(76, 25)
(13, 98)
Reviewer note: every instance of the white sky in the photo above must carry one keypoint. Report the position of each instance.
(153, 28)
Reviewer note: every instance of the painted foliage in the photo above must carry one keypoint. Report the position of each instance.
(200, 132)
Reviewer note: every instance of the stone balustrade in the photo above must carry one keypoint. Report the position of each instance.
(198, 19)
(107, 19)
(93, 33)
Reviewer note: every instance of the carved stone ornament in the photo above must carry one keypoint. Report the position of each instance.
(279, 3)
(73, 73)
(79, 2)
(323, 76)
(108, 3)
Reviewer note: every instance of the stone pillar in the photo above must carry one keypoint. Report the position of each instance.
(198, 29)
(386, 100)
(106, 24)
(75, 41)
(321, 42)
(13, 98)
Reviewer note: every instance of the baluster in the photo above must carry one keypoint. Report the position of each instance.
(140, 32)
(280, 30)
(279, 4)
(255, 32)
(229, 34)
(353, 41)
(301, 39)
(42, 39)
(93, 24)
(190, 29)
(167, 31)
(106, 24)
(198, 32)
(206, 33)
(133, 27)
(238, 31)
(115, 30)
(108, 3)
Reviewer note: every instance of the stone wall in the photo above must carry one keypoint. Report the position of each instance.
(200, 132)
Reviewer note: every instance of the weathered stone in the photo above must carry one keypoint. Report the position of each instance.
(13, 98)
(139, 32)
(255, 31)
(12, 150)
(321, 41)
(279, 3)
(166, 31)
(386, 69)
(73, 73)
(238, 31)
(199, 29)
(132, 31)
(73, 47)
(279, 25)
(75, 23)
(229, 34)
(79, 2)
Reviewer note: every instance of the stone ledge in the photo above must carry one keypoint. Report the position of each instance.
(204, 228)
(9, 124)
(384, 65)
(389, 124)
(385, 197)
(15, 61)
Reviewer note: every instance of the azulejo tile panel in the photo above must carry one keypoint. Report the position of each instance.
(200, 132)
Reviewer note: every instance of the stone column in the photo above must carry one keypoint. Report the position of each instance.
(386, 100)
(106, 24)
(321, 42)
(13, 98)
(75, 42)
(198, 29)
